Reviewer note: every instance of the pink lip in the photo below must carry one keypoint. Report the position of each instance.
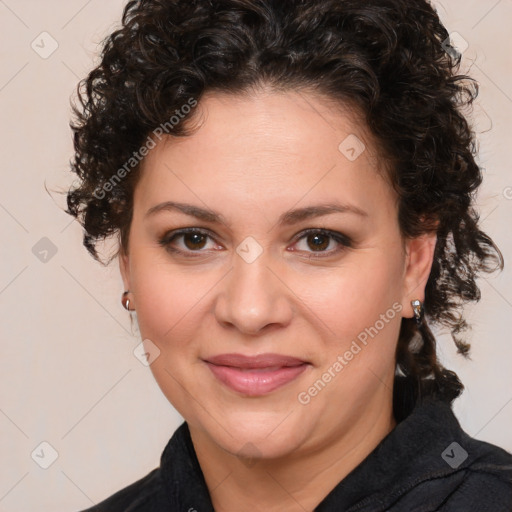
(255, 375)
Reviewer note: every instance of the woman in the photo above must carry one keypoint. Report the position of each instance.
(292, 184)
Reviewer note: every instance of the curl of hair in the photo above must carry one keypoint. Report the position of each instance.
(390, 59)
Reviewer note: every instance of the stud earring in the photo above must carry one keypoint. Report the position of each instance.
(126, 301)
(417, 307)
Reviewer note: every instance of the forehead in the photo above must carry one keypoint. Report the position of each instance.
(264, 148)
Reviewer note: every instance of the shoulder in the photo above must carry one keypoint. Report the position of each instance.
(478, 479)
(486, 482)
(146, 494)
(428, 463)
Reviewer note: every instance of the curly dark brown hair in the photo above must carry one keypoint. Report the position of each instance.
(390, 59)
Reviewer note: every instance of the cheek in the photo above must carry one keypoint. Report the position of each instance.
(353, 297)
(168, 300)
(170, 308)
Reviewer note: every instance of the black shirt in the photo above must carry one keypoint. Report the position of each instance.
(426, 463)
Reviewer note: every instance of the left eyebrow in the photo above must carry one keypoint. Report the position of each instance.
(298, 215)
(286, 219)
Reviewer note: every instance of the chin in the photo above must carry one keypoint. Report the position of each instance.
(258, 435)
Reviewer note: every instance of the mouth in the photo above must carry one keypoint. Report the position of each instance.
(255, 375)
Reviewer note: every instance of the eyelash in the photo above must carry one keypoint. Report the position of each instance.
(341, 239)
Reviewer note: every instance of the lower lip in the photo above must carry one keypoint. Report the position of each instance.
(256, 382)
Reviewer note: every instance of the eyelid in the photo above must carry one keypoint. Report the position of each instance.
(335, 235)
(168, 237)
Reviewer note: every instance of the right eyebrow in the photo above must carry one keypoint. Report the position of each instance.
(188, 209)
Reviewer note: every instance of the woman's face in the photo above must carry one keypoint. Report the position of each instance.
(295, 252)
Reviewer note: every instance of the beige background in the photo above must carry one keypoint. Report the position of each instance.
(68, 374)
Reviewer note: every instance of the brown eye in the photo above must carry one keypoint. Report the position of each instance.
(194, 241)
(318, 242)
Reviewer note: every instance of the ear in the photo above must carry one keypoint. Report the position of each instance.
(418, 262)
(124, 267)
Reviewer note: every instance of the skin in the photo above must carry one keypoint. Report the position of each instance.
(253, 158)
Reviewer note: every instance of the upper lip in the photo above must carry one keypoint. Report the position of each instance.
(257, 361)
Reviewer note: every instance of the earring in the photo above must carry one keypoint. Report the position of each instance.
(126, 301)
(417, 307)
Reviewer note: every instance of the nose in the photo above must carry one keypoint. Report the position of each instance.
(253, 298)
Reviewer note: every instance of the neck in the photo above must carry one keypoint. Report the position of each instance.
(299, 481)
